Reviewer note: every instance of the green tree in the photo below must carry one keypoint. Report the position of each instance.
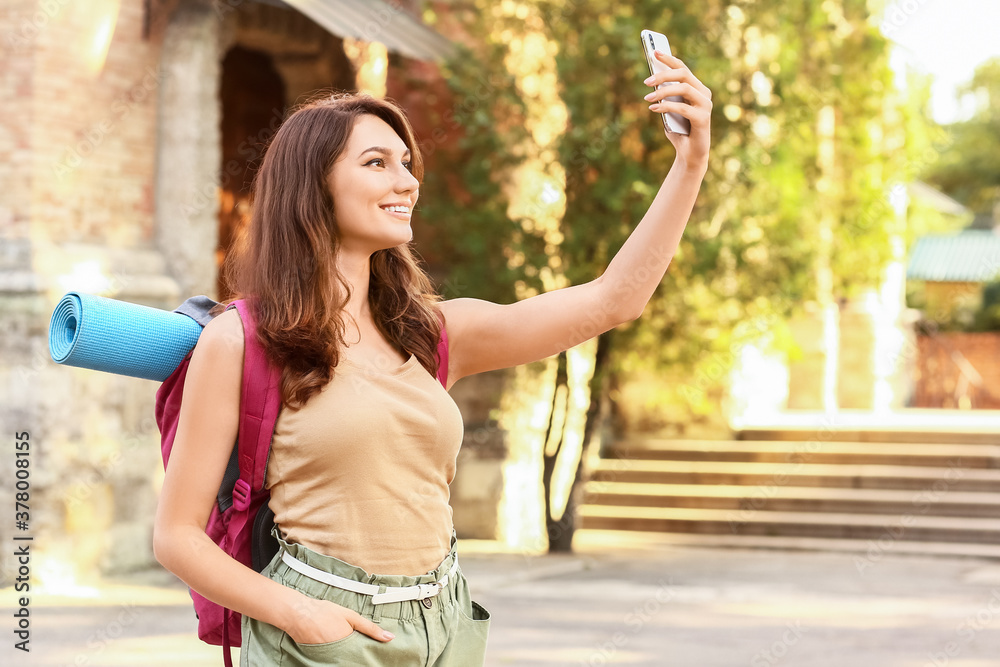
(796, 177)
(969, 169)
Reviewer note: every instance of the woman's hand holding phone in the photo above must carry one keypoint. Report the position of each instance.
(692, 149)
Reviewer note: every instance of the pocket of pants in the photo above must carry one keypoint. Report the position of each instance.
(469, 644)
(319, 654)
(261, 642)
(333, 643)
(476, 614)
(479, 613)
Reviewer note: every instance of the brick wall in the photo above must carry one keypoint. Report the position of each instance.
(17, 39)
(939, 383)
(93, 126)
(77, 143)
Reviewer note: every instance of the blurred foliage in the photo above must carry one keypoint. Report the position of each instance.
(923, 219)
(926, 143)
(988, 316)
(955, 306)
(462, 193)
(751, 247)
(463, 190)
(969, 170)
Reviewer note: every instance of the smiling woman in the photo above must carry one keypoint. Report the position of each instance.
(365, 443)
(369, 179)
(329, 269)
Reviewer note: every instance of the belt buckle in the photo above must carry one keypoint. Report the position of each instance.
(428, 590)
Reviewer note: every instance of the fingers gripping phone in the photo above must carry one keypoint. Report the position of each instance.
(654, 41)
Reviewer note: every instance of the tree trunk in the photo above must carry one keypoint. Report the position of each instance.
(549, 458)
(560, 532)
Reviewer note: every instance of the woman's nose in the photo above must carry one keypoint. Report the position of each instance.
(406, 181)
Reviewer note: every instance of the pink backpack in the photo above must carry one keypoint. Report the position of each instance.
(241, 521)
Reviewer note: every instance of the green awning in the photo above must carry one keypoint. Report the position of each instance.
(972, 255)
(376, 21)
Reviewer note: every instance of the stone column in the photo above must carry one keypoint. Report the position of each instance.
(188, 148)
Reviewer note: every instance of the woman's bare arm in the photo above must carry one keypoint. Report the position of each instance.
(206, 430)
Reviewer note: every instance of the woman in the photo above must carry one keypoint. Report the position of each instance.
(365, 444)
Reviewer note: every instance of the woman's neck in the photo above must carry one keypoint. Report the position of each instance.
(356, 271)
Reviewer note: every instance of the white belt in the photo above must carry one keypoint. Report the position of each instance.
(391, 594)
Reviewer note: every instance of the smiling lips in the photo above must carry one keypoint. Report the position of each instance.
(399, 211)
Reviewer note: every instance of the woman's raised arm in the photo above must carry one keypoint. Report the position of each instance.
(486, 336)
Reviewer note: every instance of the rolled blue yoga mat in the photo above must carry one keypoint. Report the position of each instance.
(114, 336)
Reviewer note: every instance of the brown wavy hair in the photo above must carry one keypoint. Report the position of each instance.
(284, 263)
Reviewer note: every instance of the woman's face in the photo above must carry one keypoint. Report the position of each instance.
(373, 189)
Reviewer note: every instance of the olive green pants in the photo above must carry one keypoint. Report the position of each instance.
(447, 630)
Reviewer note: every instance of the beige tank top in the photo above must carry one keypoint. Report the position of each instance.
(361, 471)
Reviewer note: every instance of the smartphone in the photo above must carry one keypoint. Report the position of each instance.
(654, 41)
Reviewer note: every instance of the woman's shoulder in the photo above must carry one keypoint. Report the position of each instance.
(223, 336)
(216, 368)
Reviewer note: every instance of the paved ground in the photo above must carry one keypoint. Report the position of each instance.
(684, 606)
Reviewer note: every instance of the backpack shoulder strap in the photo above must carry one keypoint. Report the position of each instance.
(197, 308)
(260, 402)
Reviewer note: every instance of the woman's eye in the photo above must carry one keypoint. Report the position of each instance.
(381, 163)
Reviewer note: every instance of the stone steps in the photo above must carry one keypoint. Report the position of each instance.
(983, 434)
(794, 498)
(914, 478)
(910, 526)
(943, 489)
(869, 551)
(797, 451)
